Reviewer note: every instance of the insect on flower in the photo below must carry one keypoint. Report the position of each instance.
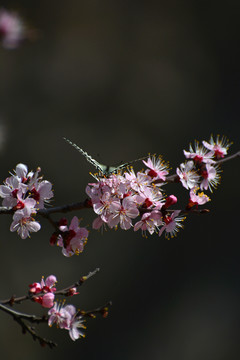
(103, 170)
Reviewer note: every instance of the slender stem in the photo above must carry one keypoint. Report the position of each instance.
(14, 313)
(77, 283)
(20, 317)
(230, 157)
(103, 310)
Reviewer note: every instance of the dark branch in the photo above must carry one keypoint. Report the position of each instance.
(103, 310)
(19, 318)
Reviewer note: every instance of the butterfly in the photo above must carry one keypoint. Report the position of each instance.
(103, 170)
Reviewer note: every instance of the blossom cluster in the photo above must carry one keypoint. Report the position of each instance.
(124, 199)
(200, 168)
(46, 288)
(120, 198)
(12, 29)
(123, 196)
(72, 238)
(25, 193)
(66, 317)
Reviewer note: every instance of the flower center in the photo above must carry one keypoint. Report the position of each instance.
(198, 158)
(152, 173)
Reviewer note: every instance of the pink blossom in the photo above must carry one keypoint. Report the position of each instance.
(149, 197)
(42, 192)
(9, 191)
(137, 182)
(172, 224)
(24, 224)
(14, 185)
(66, 318)
(122, 212)
(25, 185)
(211, 177)
(60, 315)
(50, 281)
(197, 199)
(72, 238)
(220, 146)
(149, 222)
(75, 326)
(200, 154)
(158, 169)
(21, 171)
(28, 204)
(48, 300)
(187, 174)
(102, 204)
(46, 287)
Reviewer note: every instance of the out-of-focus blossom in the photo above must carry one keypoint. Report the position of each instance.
(12, 29)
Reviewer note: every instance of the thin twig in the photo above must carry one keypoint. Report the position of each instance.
(230, 157)
(19, 318)
(103, 310)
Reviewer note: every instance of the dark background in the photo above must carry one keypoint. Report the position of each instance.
(122, 79)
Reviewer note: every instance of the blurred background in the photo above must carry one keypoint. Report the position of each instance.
(122, 79)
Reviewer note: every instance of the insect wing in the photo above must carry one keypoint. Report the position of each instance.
(103, 169)
(98, 166)
(113, 169)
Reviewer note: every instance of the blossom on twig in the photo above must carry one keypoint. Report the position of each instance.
(66, 318)
(72, 238)
(220, 146)
(46, 287)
